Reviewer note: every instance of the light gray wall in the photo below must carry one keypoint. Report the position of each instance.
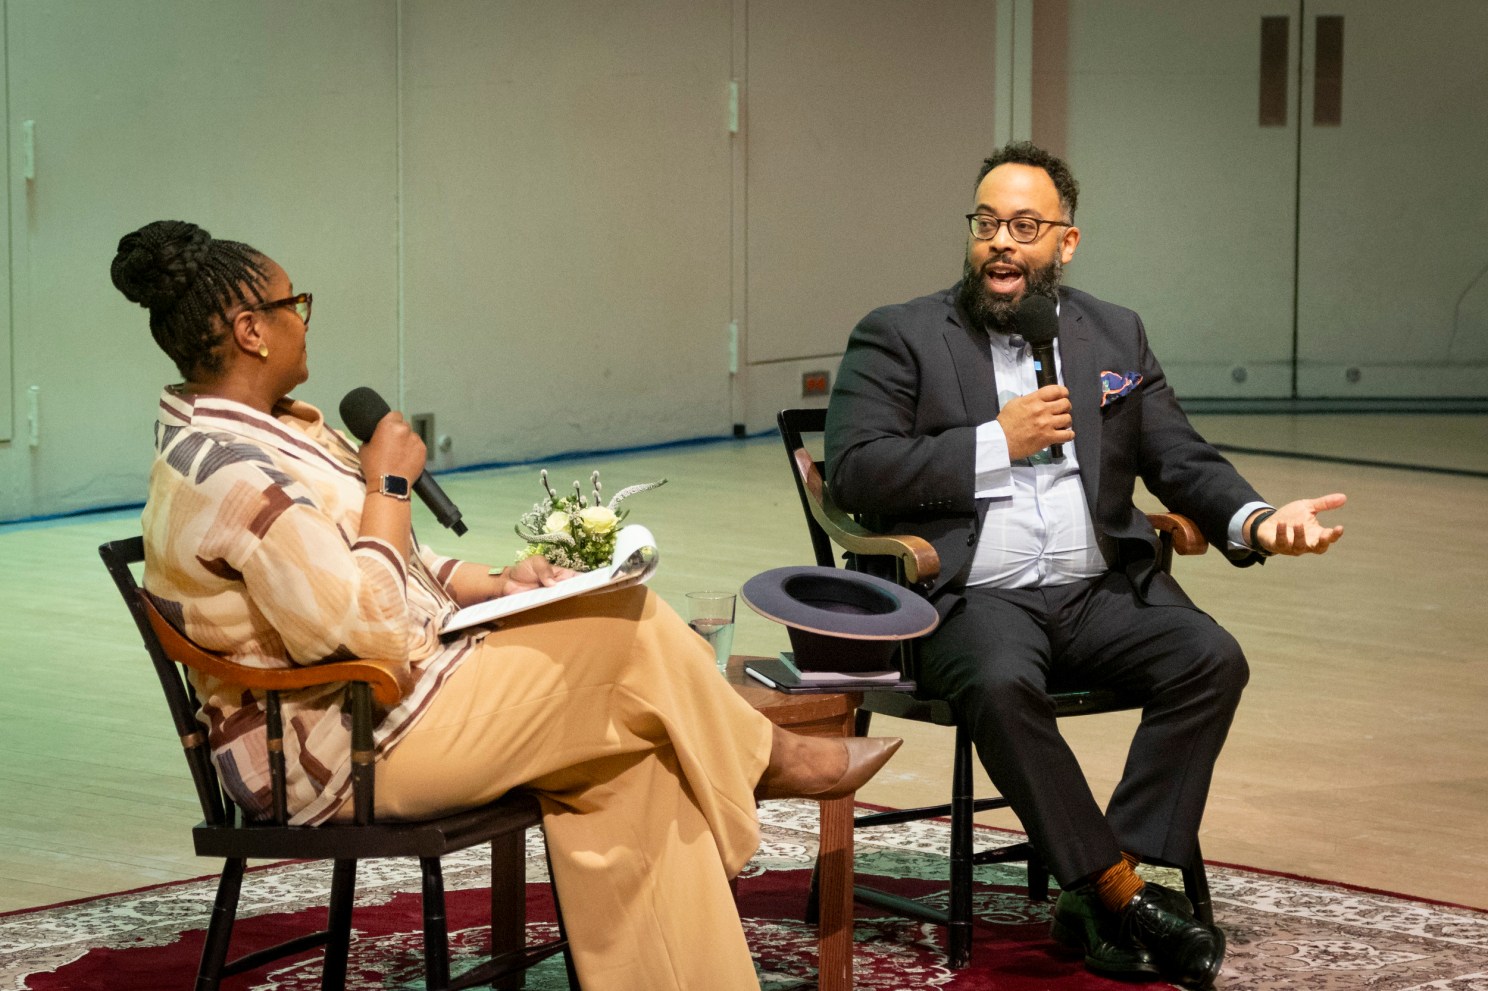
(566, 222)
(530, 219)
(272, 122)
(865, 128)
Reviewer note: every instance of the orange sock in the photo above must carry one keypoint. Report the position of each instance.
(1118, 884)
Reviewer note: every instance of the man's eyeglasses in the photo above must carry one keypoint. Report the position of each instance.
(1024, 230)
(300, 303)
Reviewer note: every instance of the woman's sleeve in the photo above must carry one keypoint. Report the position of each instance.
(441, 567)
(326, 593)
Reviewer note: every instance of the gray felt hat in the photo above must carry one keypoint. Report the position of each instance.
(839, 620)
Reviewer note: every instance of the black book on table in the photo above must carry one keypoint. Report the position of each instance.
(778, 675)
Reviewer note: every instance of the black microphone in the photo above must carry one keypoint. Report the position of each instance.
(1038, 322)
(362, 410)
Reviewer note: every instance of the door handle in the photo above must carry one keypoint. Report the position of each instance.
(1276, 35)
(1327, 72)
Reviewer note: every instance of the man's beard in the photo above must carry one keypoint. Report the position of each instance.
(997, 310)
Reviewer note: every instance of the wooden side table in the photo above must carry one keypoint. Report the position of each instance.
(819, 715)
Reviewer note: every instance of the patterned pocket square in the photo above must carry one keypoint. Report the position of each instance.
(1114, 385)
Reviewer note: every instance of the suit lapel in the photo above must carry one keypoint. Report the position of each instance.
(971, 357)
(1077, 358)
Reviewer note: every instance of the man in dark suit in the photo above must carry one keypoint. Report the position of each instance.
(937, 427)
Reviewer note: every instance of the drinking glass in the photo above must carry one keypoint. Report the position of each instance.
(711, 614)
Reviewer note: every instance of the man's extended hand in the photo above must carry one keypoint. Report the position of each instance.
(1294, 529)
(1035, 421)
(533, 572)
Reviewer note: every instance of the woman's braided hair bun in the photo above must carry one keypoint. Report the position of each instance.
(157, 264)
(190, 282)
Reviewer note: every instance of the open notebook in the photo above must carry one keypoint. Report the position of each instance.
(634, 562)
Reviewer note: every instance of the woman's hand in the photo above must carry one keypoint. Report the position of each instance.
(393, 450)
(533, 572)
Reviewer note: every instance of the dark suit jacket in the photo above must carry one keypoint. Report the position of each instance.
(917, 379)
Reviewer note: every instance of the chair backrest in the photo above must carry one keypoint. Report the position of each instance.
(907, 559)
(808, 474)
(120, 557)
(793, 424)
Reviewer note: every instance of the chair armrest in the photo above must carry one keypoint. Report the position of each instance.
(921, 563)
(1184, 533)
(389, 680)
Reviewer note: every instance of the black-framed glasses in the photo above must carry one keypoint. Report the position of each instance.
(300, 304)
(1024, 230)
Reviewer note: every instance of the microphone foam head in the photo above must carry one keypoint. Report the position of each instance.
(361, 410)
(1037, 320)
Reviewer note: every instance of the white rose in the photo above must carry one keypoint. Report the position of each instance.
(598, 519)
(557, 522)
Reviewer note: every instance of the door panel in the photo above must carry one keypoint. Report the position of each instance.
(1392, 294)
(270, 123)
(865, 123)
(566, 168)
(1187, 203)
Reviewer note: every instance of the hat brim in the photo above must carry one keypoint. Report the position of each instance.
(829, 611)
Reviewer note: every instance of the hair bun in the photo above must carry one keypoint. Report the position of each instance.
(156, 265)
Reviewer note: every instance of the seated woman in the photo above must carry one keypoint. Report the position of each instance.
(270, 538)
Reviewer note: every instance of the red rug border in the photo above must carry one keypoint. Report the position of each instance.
(1289, 875)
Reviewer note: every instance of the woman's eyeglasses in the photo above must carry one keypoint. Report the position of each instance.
(300, 303)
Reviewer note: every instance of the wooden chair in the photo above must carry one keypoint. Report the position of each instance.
(916, 565)
(225, 831)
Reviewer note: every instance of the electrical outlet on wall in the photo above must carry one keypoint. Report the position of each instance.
(423, 425)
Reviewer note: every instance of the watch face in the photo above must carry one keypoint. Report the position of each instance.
(395, 485)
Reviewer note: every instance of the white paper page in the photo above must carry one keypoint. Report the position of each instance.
(634, 563)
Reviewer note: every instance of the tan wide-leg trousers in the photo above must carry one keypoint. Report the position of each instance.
(645, 761)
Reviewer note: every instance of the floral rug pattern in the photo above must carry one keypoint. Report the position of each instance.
(1283, 933)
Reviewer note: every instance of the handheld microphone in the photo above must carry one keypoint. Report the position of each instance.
(1038, 322)
(362, 410)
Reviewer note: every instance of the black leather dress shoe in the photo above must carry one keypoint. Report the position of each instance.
(1184, 948)
(1082, 922)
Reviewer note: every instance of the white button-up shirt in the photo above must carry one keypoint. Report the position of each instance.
(1038, 530)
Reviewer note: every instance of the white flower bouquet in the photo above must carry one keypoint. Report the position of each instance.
(576, 531)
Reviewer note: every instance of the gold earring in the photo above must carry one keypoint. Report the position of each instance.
(263, 350)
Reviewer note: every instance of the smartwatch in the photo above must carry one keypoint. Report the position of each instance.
(394, 487)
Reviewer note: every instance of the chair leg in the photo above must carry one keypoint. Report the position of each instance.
(812, 915)
(1038, 876)
(1196, 886)
(958, 929)
(338, 924)
(219, 929)
(436, 932)
(509, 902)
(862, 720)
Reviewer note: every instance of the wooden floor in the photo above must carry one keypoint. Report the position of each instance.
(1359, 754)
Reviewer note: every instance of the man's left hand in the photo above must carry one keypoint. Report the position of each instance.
(1294, 529)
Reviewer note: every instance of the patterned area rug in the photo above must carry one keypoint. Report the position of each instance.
(1283, 933)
